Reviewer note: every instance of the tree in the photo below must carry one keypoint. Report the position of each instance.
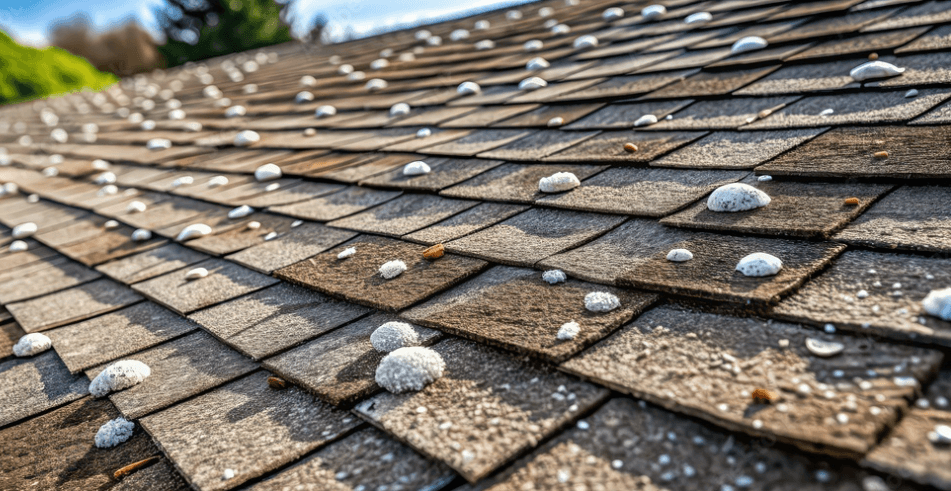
(199, 29)
(124, 50)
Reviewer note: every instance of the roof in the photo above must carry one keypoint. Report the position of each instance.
(827, 374)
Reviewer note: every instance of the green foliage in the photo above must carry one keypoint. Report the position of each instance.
(203, 29)
(29, 73)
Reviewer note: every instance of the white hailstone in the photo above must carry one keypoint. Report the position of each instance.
(759, 264)
(679, 255)
(148, 125)
(556, 122)
(586, 42)
(136, 118)
(119, 375)
(56, 159)
(826, 112)
(416, 168)
(698, 18)
(558, 182)
(424, 132)
(253, 225)
(737, 197)
(612, 13)
(553, 276)
(267, 172)
(422, 35)
(59, 135)
(32, 344)
(196, 273)
(246, 137)
(407, 57)
(375, 84)
(533, 45)
(33, 198)
(393, 336)
(467, 88)
(560, 29)
(392, 269)
(173, 104)
(217, 181)
(192, 231)
(211, 92)
(386, 53)
(51, 172)
(379, 64)
(158, 144)
(297, 223)
(399, 109)
(482, 25)
(874, 69)
(182, 181)
(764, 178)
(513, 15)
(546, 12)
(568, 331)
(938, 303)
(240, 212)
(409, 369)
(325, 111)
(345, 69)
(114, 432)
(537, 63)
(601, 302)
(270, 236)
(135, 207)
(24, 230)
(90, 128)
(347, 253)
(941, 435)
(532, 83)
(140, 235)
(459, 35)
(250, 88)
(911, 93)
(645, 120)
(110, 224)
(484, 45)
(303, 96)
(19, 246)
(748, 43)
(308, 81)
(652, 12)
(193, 126)
(356, 76)
(824, 349)
(176, 115)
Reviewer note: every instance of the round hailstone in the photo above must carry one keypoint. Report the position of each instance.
(51, 172)
(764, 178)
(586, 42)
(434, 41)
(546, 12)
(459, 35)
(652, 12)
(553, 276)
(246, 137)
(379, 64)
(114, 432)
(24, 230)
(612, 13)
(59, 135)
(424, 132)
(533, 45)
(217, 181)
(193, 231)
(482, 25)
(140, 235)
(911, 93)
(119, 375)
(407, 57)
(416, 168)
(749, 43)
(941, 435)
(347, 253)
(148, 125)
(303, 97)
(325, 112)
(873, 70)
(11, 188)
(392, 269)
(698, 18)
(158, 144)
(422, 35)
(532, 83)
(90, 128)
(32, 344)
(196, 274)
(399, 109)
(193, 126)
(537, 63)
(938, 303)
(135, 207)
(19, 246)
(345, 69)
(679, 255)
(645, 120)
(108, 189)
(240, 212)
(568, 331)
(601, 302)
(823, 349)
(307, 81)
(375, 84)
(176, 115)
(560, 29)
(558, 182)
(111, 224)
(393, 336)
(267, 172)
(759, 264)
(249, 88)
(409, 369)
(484, 45)
(737, 197)
(236, 112)
(33, 198)
(467, 88)
(254, 225)
(513, 15)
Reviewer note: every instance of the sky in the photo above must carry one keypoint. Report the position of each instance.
(29, 21)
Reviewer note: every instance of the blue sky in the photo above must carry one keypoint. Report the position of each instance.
(29, 21)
